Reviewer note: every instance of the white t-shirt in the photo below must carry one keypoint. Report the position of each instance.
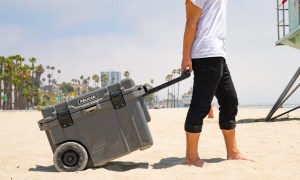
(210, 37)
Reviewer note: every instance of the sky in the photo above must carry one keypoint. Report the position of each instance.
(145, 38)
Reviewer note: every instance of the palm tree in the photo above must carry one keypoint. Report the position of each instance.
(8, 75)
(97, 81)
(81, 78)
(58, 71)
(54, 81)
(173, 73)
(16, 80)
(52, 69)
(48, 67)
(168, 78)
(33, 61)
(148, 99)
(3, 77)
(104, 80)
(24, 86)
(126, 74)
(10, 71)
(95, 77)
(39, 70)
(88, 82)
(48, 72)
(152, 82)
(44, 79)
(85, 82)
(10, 64)
(49, 81)
(178, 71)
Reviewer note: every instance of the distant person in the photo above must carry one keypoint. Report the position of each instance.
(204, 53)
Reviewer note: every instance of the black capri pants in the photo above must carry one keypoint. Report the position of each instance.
(211, 78)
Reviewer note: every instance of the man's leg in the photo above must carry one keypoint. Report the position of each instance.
(206, 79)
(192, 157)
(228, 101)
(233, 152)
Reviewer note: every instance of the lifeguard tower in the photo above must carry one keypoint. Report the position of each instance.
(288, 26)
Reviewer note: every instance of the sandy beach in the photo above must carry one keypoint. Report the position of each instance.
(25, 152)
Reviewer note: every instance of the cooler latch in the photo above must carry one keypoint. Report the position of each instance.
(117, 99)
(65, 119)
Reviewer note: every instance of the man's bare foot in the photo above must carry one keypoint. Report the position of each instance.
(194, 160)
(239, 156)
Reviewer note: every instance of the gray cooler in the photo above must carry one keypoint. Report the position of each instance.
(97, 127)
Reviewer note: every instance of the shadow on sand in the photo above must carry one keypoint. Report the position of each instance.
(123, 166)
(111, 166)
(119, 166)
(43, 168)
(174, 161)
(242, 121)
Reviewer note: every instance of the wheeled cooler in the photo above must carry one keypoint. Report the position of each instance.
(99, 126)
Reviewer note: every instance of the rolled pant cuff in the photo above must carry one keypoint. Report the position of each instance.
(192, 128)
(228, 125)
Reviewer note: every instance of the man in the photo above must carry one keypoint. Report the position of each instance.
(204, 53)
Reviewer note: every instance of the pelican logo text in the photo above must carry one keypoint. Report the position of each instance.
(87, 99)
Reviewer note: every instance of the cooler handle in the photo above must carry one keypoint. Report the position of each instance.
(184, 75)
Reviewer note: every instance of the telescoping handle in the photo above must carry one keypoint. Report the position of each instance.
(184, 75)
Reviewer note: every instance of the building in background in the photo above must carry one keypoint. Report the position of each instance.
(110, 77)
(48, 88)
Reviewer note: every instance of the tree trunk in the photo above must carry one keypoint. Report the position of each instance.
(174, 95)
(36, 97)
(26, 101)
(9, 96)
(37, 80)
(21, 97)
(5, 104)
(16, 98)
(168, 99)
(37, 84)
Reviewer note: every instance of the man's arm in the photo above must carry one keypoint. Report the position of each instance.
(193, 14)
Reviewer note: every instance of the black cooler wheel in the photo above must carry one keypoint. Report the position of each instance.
(69, 157)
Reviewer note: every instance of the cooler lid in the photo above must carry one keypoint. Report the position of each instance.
(88, 100)
(46, 120)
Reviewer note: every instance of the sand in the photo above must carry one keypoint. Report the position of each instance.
(25, 152)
